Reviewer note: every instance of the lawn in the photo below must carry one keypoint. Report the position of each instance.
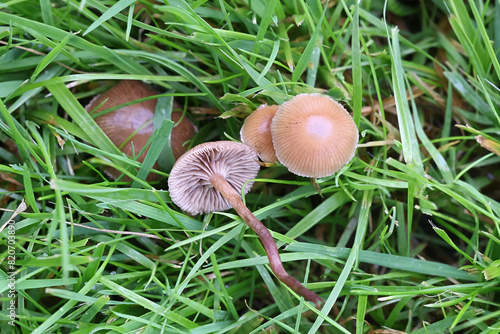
(404, 238)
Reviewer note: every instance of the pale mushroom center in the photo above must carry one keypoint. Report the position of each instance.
(265, 125)
(319, 126)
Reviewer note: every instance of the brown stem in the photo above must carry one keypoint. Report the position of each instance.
(316, 185)
(230, 194)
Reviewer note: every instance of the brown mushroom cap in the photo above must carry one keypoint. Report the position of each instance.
(313, 135)
(181, 133)
(256, 132)
(189, 181)
(130, 127)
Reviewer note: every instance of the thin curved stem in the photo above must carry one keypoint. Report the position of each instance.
(230, 194)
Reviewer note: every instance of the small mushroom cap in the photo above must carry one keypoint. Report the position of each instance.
(130, 127)
(313, 135)
(189, 181)
(256, 132)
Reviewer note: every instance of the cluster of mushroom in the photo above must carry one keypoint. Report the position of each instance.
(305, 134)
(311, 134)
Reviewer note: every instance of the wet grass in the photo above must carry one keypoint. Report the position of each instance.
(406, 237)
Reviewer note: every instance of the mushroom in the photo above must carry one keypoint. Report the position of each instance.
(313, 135)
(256, 132)
(130, 127)
(183, 131)
(209, 177)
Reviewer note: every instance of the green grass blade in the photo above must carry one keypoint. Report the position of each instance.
(30, 195)
(163, 111)
(492, 57)
(314, 41)
(126, 64)
(388, 260)
(94, 309)
(71, 303)
(115, 9)
(411, 150)
(316, 215)
(438, 158)
(49, 58)
(159, 141)
(360, 314)
(263, 26)
(16, 135)
(357, 73)
(46, 12)
(71, 105)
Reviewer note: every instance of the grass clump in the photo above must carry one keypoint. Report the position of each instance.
(407, 237)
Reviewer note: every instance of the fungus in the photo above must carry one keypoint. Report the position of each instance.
(130, 127)
(181, 132)
(313, 135)
(208, 177)
(256, 132)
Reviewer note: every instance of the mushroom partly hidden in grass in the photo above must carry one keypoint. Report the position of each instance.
(130, 127)
(313, 135)
(256, 132)
(209, 177)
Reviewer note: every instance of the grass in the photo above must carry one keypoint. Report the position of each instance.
(405, 238)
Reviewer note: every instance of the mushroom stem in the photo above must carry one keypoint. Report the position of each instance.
(232, 196)
(316, 186)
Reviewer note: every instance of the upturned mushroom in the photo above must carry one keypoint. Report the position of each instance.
(209, 177)
(313, 135)
(256, 132)
(130, 127)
